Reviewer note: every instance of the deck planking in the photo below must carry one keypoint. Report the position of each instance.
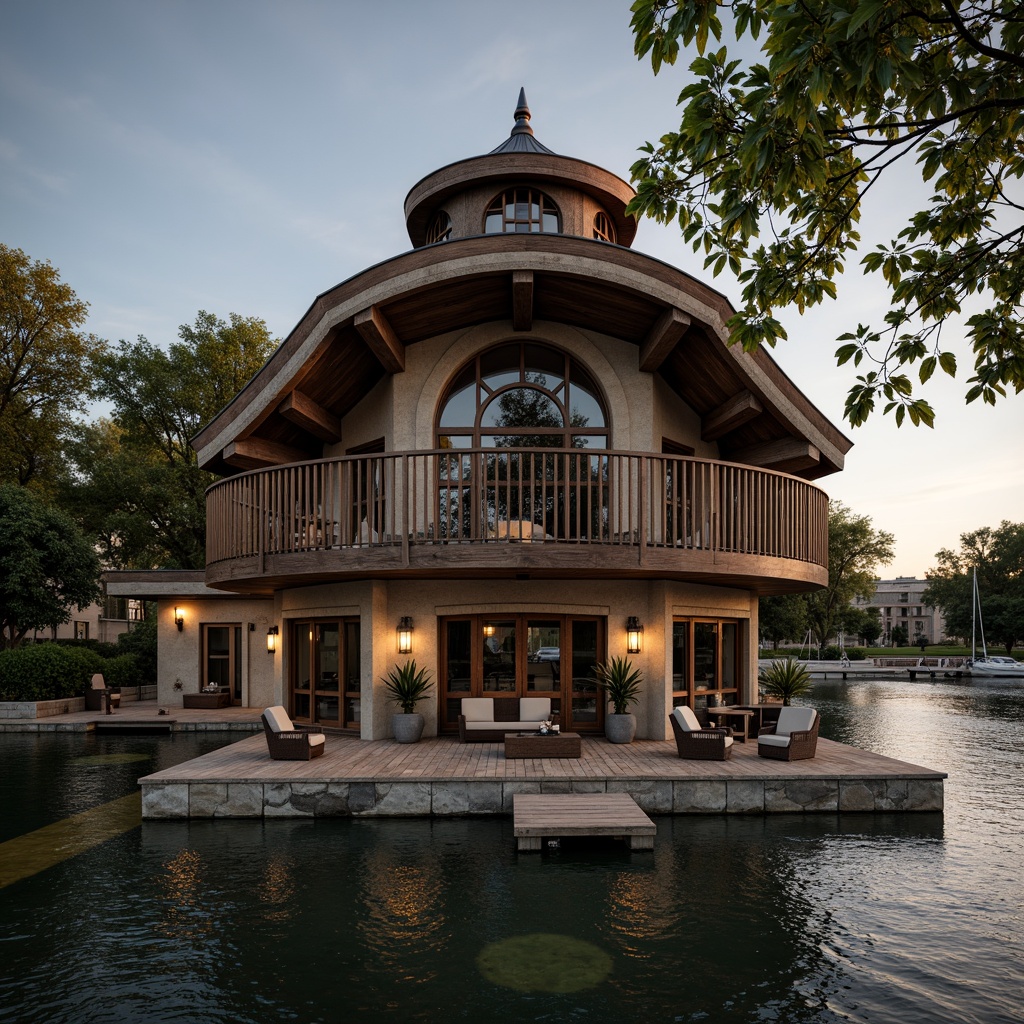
(536, 817)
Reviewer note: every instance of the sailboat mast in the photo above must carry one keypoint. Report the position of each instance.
(974, 613)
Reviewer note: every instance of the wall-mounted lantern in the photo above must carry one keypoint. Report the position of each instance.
(489, 629)
(272, 639)
(634, 635)
(405, 634)
(179, 617)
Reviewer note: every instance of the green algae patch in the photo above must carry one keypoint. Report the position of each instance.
(544, 963)
(89, 759)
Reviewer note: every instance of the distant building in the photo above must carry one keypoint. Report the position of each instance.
(105, 620)
(900, 602)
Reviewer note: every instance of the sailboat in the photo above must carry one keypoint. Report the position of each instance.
(995, 665)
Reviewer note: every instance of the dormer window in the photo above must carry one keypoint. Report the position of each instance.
(522, 210)
(440, 229)
(604, 229)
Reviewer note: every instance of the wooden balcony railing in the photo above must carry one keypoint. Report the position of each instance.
(493, 496)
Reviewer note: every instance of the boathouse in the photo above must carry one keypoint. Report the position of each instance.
(516, 449)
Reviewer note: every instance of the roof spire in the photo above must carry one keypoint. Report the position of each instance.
(520, 139)
(522, 115)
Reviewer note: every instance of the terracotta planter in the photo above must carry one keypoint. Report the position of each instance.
(619, 728)
(407, 728)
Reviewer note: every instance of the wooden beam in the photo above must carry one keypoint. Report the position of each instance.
(312, 417)
(788, 456)
(255, 453)
(664, 336)
(379, 335)
(522, 300)
(729, 415)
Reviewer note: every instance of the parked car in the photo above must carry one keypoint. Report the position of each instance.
(546, 654)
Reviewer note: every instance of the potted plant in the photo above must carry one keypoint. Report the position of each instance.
(407, 685)
(621, 684)
(785, 680)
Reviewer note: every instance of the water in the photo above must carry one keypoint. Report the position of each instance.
(819, 918)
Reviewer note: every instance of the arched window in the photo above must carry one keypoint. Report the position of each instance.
(604, 229)
(522, 395)
(440, 229)
(521, 210)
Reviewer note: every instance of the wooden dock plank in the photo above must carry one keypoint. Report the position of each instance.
(616, 815)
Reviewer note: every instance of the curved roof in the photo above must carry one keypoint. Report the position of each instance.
(521, 139)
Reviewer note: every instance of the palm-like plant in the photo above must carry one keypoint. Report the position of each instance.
(407, 685)
(785, 680)
(620, 682)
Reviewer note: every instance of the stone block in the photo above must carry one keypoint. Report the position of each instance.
(509, 788)
(333, 802)
(277, 801)
(556, 785)
(589, 786)
(244, 800)
(449, 798)
(699, 797)
(362, 797)
(897, 792)
(485, 798)
(787, 795)
(165, 801)
(862, 795)
(398, 799)
(744, 796)
(653, 796)
(206, 798)
(925, 795)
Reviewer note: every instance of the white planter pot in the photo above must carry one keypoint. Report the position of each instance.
(619, 728)
(407, 728)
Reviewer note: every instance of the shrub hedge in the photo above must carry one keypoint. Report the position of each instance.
(56, 670)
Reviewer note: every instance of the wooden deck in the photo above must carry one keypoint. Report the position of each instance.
(536, 817)
(138, 713)
(441, 776)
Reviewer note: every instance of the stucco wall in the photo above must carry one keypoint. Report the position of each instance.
(179, 654)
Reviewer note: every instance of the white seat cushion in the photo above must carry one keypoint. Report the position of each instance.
(771, 740)
(534, 709)
(686, 718)
(278, 720)
(316, 739)
(478, 709)
(794, 720)
(97, 681)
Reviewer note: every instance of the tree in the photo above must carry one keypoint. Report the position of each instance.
(998, 556)
(46, 566)
(782, 618)
(899, 636)
(44, 359)
(135, 477)
(855, 549)
(862, 624)
(788, 149)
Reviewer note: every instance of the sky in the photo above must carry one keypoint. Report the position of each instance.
(243, 156)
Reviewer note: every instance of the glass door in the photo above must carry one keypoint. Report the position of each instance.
(326, 658)
(222, 659)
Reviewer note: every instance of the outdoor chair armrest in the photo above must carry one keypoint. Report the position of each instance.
(766, 730)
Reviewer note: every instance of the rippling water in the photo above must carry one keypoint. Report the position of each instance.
(821, 918)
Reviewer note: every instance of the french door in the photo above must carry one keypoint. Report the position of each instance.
(324, 676)
(523, 655)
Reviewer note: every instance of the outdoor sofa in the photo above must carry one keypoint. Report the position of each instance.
(487, 719)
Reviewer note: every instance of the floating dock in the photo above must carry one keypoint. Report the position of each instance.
(559, 816)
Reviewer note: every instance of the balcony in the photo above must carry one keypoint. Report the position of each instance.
(516, 513)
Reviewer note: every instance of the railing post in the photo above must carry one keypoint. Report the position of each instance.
(642, 510)
(403, 523)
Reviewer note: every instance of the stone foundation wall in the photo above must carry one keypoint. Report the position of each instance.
(451, 798)
(28, 709)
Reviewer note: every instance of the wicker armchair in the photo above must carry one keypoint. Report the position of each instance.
(289, 742)
(695, 743)
(794, 737)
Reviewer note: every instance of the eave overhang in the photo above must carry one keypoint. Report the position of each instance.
(358, 331)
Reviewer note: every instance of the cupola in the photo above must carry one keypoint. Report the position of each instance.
(520, 187)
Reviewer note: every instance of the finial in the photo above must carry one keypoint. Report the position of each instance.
(522, 116)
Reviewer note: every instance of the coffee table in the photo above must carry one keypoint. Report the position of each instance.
(535, 744)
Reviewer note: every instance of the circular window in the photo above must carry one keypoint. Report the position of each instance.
(522, 210)
(522, 395)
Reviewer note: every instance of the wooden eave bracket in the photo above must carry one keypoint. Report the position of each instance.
(312, 417)
(522, 300)
(379, 335)
(790, 455)
(729, 415)
(663, 338)
(255, 453)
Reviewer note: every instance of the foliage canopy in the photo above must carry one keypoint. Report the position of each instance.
(46, 566)
(998, 555)
(770, 165)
